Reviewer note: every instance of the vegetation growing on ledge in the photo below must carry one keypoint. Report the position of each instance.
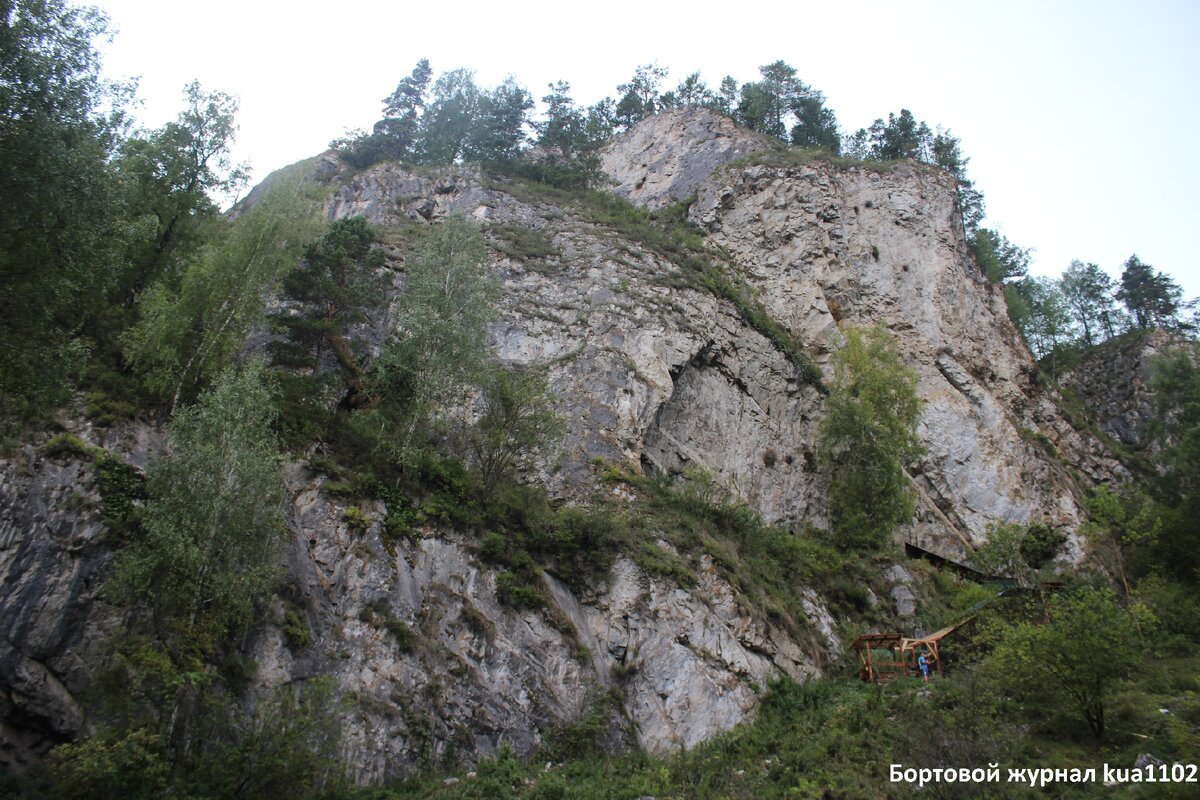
(667, 233)
(121, 279)
(836, 738)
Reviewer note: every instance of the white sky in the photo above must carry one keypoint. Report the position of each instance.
(1080, 118)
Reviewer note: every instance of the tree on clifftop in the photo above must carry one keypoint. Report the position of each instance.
(1152, 297)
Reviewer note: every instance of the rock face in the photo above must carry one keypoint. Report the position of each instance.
(827, 247)
(651, 371)
(52, 560)
(479, 674)
(412, 633)
(667, 160)
(1113, 384)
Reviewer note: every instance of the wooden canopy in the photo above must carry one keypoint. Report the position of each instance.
(884, 656)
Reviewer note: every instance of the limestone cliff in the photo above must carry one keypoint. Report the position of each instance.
(652, 372)
(1112, 384)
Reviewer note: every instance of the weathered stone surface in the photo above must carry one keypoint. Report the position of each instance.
(648, 372)
(414, 635)
(901, 593)
(658, 164)
(483, 671)
(52, 627)
(1113, 384)
(828, 247)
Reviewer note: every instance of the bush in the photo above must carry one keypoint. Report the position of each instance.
(107, 765)
(357, 519)
(1075, 660)
(516, 592)
(64, 445)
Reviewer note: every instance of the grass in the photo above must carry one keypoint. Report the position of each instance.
(785, 157)
(530, 246)
(767, 567)
(122, 488)
(814, 740)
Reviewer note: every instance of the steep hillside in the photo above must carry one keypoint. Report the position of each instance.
(661, 356)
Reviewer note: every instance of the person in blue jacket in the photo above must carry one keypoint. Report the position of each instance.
(923, 663)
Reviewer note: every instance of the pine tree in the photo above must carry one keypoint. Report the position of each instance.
(336, 287)
(1152, 297)
(397, 131)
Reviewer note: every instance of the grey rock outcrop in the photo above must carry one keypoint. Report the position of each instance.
(668, 159)
(1112, 383)
(411, 632)
(827, 247)
(52, 626)
(650, 371)
(481, 674)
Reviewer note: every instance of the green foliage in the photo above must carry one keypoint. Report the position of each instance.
(336, 286)
(357, 519)
(59, 123)
(813, 740)
(518, 424)
(498, 133)
(394, 137)
(68, 445)
(1151, 296)
(1041, 314)
(1077, 658)
(1120, 526)
(570, 139)
(1176, 607)
(998, 258)
(287, 747)
(108, 765)
(438, 348)
(1176, 383)
(121, 486)
(1088, 293)
(1000, 554)
(449, 118)
(530, 246)
(122, 490)
(189, 332)
(513, 589)
(868, 437)
(295, 629)
(783, 106)
(167, 178)
(457, 121)
(1018, 551)
(379, 613)
(213, 516)
(639, 98)
(693, 91)
(768, 567)
(1040, 544)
